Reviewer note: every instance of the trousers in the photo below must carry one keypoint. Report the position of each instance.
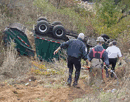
(72, 61)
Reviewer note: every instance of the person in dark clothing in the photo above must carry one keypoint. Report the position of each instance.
(76, 50)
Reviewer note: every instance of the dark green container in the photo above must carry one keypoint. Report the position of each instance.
(45, 47)
(16, 32)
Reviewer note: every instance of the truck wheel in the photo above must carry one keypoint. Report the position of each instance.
(42, 27)
(59, 31)
(41, 19)
(56, 23)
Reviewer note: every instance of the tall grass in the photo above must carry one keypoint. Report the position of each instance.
(13, 65)
(22, 11)
(119, 93)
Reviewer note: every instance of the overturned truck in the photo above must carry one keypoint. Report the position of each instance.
(47, 38)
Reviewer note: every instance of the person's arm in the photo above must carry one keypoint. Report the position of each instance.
(56, 51)
(90, 55)
(106, 62)
(63, 45)
(119, 56)
(105, 58)
(84, 52)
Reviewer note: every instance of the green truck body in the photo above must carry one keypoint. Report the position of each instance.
(44, 46)
(16, 32)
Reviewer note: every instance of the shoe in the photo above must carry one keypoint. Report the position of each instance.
(74, 84)
(69, 82)
(112, 75)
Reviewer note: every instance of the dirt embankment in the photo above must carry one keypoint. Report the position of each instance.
(34, 92)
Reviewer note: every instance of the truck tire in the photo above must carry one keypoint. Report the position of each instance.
(59, 31)
(41, 19)
(56, 23)
(42, 27)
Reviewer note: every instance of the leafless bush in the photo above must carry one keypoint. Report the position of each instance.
(124, 41)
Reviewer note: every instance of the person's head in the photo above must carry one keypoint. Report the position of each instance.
(100, 40)
(81, 35)
(114, 42)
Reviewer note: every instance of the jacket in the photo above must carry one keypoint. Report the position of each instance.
(104, 55)
(75, 48)
(113, 52)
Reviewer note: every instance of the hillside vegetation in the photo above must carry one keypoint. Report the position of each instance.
(21, 76)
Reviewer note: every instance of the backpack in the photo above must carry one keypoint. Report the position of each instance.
(97, 62)
(98, 52)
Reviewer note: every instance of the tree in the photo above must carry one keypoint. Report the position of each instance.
(107, 12)
(106, 18)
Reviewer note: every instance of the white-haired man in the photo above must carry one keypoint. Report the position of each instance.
(76, 50)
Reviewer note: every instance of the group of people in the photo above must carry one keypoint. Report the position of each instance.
(76, 50)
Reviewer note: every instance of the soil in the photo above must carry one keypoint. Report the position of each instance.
(32, 90)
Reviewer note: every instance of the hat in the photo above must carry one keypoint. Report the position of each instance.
(114, 42)
(81, 35)
(100, 39)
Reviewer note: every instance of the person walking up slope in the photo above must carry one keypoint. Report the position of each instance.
(96, 57)
(76, 50)
(113, 54)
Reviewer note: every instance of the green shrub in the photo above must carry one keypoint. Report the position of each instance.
(107, 18)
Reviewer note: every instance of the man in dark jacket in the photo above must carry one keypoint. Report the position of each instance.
(76, 50)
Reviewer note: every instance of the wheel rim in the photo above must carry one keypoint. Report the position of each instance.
(59, 32)
(42, 28)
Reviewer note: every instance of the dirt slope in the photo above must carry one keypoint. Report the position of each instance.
(37, 90)
(34, 93)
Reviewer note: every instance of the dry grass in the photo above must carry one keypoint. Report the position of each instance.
(22, 11)
(16, 67)
(124, 41)
(13, 65)
(112, 91)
